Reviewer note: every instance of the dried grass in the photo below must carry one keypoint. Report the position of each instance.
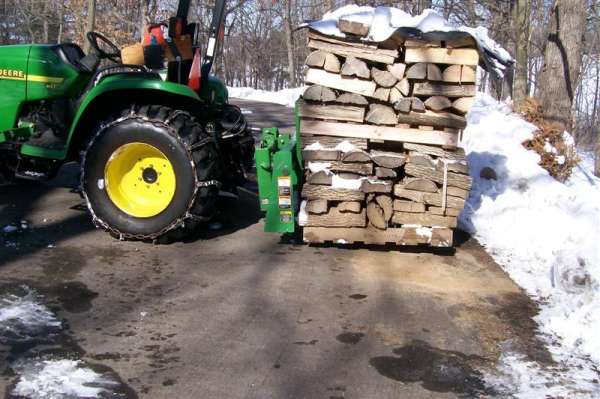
(556, 149)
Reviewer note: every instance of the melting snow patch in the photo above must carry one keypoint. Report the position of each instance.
(302, 215)
(350, 184)
(316, 167)
(53, 379)
(285, 97)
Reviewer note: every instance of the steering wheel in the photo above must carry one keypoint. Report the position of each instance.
(96, 39)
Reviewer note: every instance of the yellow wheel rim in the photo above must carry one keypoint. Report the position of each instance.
(140, 180)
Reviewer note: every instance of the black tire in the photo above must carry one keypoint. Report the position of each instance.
(191, 151)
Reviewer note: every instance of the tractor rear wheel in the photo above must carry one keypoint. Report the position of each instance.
(150, 171)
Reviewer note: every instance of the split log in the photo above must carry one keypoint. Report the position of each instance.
(353, 99)
(430, 118)
(468, 74)
(332, 64)
(387, 205)
(321, 155)
(397, 70)
(371, 132)
(382, 94)
(355, 67)
(403, 105)
(380, 114)
(335, 218)
(434, 72)
(332, 112)
(458, 154)
(455, 166)
(417, 105)
(428, 198)
(457, 192)
(436, 210)
(395, 95)
(353, 27)
(383, 78)
(315, 192)
(316, 59)
(463, 105)
(454, 179)
(452, 74)
(418, 184)
(385, 173)
(376, 55)
(350, 206)
(442, 56)
(423, 219)
(417, 71)
(375, 216)
(403, 86)
(408, 206)
(440, 89)
(319, 93)
(335, 81)
(438, 103)
(365, 169)
(317, 206)
(321, 177)
(391, 160)
(332, 142)
(356, 156)
(421, 159)
(316, 35)
(376, 186)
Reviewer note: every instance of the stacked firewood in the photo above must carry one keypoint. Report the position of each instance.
(380, 126)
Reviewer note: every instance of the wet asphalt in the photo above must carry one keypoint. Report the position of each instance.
(237, 313)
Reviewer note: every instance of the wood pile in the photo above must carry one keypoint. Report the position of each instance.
(380, 125)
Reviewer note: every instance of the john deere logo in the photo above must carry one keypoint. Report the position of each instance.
(12, 74)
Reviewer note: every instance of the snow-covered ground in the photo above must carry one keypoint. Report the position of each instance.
(25, 319)
(285, 97)
(545, 234)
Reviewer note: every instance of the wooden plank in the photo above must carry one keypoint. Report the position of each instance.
(431, 118)
(314, 192)
(440, 237)
(333, 112)
(454, 179)
(458, 154)
(408, 206)
(358, 44)
(335, 81)
(377, 55)
(321, 155)
(336, 218)
(441, 89)
(332, 142)
(373, 132)
(424, 219)
(442, 56)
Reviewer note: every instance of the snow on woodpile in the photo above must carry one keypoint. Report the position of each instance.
(544, 233)
(285, 97)
(384, 22)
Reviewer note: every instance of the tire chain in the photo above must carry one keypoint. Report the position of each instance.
(187, 215)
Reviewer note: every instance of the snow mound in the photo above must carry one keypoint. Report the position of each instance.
(385, 21)
(285, 97)
(544, 233)
(53, 379)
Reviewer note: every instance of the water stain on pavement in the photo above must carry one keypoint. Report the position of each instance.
(73, 296)
(436, 369)
(350, 338)
(63, 263)
(310, 343)
(357, 296)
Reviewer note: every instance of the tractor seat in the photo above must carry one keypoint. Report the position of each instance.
(73, 54)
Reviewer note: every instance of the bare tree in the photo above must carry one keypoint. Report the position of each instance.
(521, 46)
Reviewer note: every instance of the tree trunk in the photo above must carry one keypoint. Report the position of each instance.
(521, 37)
(91, 21)
(562, 61)
(289, 41)
(143, 18)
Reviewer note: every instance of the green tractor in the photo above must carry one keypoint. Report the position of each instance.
(154, 152)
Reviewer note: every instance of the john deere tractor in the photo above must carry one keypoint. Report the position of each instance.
(154, 151)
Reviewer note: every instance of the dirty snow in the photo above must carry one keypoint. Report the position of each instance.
(53, 379)
(22, 317)
(343, 146)
(384, 21)
(285, 97)
(544, 233)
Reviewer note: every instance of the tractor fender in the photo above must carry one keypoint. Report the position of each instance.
(117, 92)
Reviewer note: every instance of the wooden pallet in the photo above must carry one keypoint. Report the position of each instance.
(440, 237)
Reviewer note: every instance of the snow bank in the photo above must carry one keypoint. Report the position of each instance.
(545, 234)
(285, 97)
(385, 21)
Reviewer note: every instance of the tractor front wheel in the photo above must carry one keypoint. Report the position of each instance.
(149, 172)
